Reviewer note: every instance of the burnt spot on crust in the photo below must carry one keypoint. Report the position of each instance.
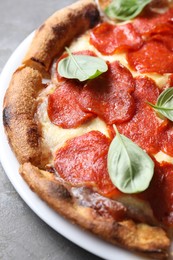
(6, 116)
(33, 136)
(103, 206)
(59, 29)
(50, 169)
(38, 61)
(92, 14)
(158, 254)
(58, 191)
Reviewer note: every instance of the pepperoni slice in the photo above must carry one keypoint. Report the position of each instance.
(166, 39)
(109, 96)
(154, 23)
(143, 127)
(108, 38)
(83, 162)
(63, 108)
(166, 138)
(154, 56)
(159, 194)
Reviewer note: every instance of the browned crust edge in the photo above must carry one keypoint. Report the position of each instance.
(23, 134)
(58, 30)
(153, 241)
(18, 114)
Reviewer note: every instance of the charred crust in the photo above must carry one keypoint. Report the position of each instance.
(6, 117)
(96, 218)
(18, 115)
(59, 29)
(103, 206)
(134, 236)
(38, 61)
(59, 191)
(33, 136)
(92, 15)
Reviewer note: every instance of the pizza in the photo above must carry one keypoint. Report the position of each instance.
(89, 116)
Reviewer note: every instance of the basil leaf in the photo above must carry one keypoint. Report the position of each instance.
(129, 167)
(81, 67)
(164, 105)
(125, 9)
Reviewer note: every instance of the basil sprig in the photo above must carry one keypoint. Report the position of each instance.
(125, 9)
(81, 67)
(129, 167)
(164, 105)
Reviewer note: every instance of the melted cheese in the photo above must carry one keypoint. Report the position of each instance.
(54, 137)
(162, 157)
(82, 43)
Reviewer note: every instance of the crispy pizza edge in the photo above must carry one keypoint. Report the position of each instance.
(140, 237)
(18, 114)
(24, 135)
(58, 31)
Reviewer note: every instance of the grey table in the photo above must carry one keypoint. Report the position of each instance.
(23, 235)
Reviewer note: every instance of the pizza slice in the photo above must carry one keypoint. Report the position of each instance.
(83, 82)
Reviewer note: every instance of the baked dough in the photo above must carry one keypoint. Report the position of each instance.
(57, 31)
(126, 233)
(24, 134)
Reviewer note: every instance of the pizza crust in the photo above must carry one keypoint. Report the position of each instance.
(126, 233)
(58, 31)
(18, 114)
(25, 135)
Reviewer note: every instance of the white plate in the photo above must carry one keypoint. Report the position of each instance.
(10, 164)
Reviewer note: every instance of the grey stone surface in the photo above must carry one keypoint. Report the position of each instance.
(23, 235)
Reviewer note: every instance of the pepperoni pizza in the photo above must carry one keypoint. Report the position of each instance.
(61, 123)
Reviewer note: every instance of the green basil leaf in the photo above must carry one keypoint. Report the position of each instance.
(164, 105)
(81, 67)
(166, 98)
(129, 167)
(125, 9)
